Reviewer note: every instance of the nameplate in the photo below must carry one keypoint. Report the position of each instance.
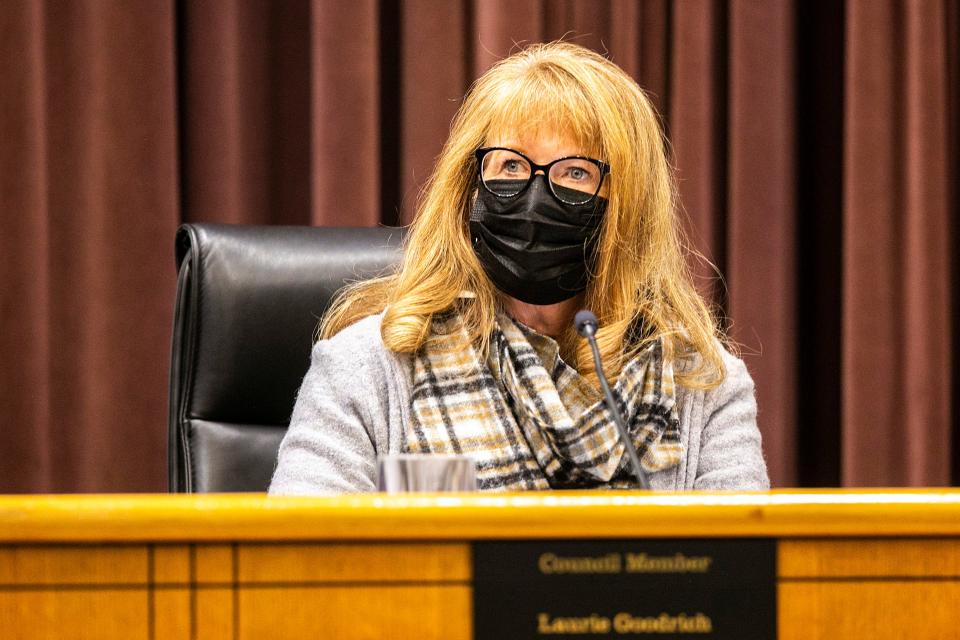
(717, 589)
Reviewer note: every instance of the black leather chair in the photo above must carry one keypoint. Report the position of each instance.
(248, 303)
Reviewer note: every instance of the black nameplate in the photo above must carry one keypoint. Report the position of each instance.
(715, 589)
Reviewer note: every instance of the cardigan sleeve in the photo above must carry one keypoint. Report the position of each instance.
(331, 444)
(730, 452)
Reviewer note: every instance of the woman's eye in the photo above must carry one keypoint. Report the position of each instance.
(577, 174)
(512, 166)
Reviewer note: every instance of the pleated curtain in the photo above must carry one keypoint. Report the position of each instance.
(816, 147)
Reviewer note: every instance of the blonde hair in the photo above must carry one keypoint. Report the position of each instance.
(640, 275)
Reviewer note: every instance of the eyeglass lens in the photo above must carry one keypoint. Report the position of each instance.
(574, 180)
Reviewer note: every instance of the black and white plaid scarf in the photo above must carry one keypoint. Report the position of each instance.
(528, 419)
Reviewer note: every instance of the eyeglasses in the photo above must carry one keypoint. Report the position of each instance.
(507, 173)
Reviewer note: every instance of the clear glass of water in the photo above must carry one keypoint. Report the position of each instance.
(425, 473)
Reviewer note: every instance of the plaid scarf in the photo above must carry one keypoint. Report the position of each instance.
(528, 419)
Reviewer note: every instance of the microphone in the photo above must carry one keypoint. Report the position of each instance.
(586, 325)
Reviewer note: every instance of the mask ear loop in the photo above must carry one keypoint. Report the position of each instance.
(474, 239)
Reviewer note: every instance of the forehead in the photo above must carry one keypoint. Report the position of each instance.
(539, 146)
(530, 114)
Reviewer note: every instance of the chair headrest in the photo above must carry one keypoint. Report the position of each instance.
(249, 300)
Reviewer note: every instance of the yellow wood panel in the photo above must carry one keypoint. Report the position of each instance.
(171, 563)
(417, 613)
(172, 614)
(354, 562)
(884, 557)
(575, 514)
(73, 615)
(214, 563)
(869, 610)
(214, 615)
(419, 539)
(56, 564)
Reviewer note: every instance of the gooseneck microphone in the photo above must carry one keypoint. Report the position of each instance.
(586, 324)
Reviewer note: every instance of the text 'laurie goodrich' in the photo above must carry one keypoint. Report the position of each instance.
(624, 623)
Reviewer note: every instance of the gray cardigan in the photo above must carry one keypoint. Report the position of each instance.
(354, 403)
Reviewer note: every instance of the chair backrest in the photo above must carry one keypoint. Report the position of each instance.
(249, 299)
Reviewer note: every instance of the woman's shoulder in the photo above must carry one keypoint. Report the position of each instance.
(735, 384)
(359, 348)
(734, 369)
(364, 333)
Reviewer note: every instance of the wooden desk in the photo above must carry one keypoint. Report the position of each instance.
(865, 565)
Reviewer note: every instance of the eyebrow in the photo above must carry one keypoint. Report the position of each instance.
(517, 147)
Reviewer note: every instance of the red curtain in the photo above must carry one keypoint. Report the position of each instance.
(88, 164)
(816, 146)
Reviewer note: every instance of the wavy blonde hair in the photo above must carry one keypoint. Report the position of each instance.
(640, 273)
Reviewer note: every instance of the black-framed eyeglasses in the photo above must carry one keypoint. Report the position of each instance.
(507, 173)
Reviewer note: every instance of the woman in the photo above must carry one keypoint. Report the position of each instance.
(553, 193)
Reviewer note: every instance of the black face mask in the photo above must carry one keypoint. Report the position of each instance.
(532, 246)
